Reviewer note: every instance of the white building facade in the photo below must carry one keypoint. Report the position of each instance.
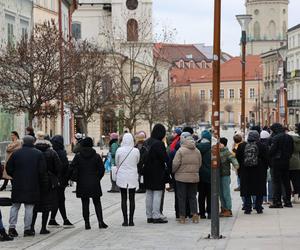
(293, 74)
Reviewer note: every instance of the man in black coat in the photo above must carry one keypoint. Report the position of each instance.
(28, 168)
(281, 151)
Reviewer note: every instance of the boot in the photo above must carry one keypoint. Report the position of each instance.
(221, 214)
(99, 214)
(195, 218)
(182, 220)
(4, 236)
(227, 213)
(87, 225)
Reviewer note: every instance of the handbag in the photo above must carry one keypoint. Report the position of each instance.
(115, 169)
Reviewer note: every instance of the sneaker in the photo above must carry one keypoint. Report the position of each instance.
(44, 231)
(53, 223)
(140, 191)
(29, 233)
(149, 220)
(68, 224)
(259, 211)
(247, 212)
(12, 232)
(289, 204)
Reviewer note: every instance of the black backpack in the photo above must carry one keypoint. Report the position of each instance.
(251, 154)
(144, 157)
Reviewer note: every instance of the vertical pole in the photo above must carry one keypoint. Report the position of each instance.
(215, 159)
(61, 66)
(285, 94)
(243, 117)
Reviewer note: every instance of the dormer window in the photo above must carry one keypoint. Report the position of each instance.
(181, 64)
(192, 64)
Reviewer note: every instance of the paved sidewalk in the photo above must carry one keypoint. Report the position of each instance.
(275, 229)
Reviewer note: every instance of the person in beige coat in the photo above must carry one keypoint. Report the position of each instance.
(186, 165)
(12, 147)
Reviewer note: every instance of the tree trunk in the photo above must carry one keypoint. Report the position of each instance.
(84, 124)
(30, 118)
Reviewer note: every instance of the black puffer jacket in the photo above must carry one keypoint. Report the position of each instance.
(28, 168)
(58, 145)
(49, 198)
(89, 168)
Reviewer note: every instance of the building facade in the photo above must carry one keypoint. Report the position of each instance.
(15, 23)
(267, 30)
(293, 74)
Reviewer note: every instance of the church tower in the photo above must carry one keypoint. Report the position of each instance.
(268, 27)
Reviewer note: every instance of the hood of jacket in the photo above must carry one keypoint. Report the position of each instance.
(158, 132)
(87, 152)
(42, 145)
(127, 140)
(58, 142)
(277, 128)
(188, 143)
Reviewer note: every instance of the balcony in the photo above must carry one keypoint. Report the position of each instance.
(293, 103)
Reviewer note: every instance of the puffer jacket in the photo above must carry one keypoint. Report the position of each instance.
(187, 163)
(295, 159)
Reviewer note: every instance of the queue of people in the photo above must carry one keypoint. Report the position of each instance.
(267, 163)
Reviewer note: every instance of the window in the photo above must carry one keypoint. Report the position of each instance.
(181, 64)
(221, 93)
(76, 30)
(24, 28)
(210, 93)
(256, 31)
(252, 93)
(231, 93)
(272, 30)
(52, 5)
(203, 65)
(136, 85)
(202, 94)
(241, 93)
(10, 22)
(132, 30)
(132, 4)
(192, 65)
(298, 40)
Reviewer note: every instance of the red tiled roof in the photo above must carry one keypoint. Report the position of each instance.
(230, 71)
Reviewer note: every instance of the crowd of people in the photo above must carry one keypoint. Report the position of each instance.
(266, 162)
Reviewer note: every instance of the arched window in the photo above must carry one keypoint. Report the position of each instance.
(256, 31)
(132, 30)
(272, 30)
(203, 65)
(192, 65)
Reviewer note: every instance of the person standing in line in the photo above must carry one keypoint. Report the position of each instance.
(27, 167)
(113, 146)
(237, 139)
(226, 159)
(281, 151)
(140, 139)
(3, 235)
(77, 146)
(295, 165)
(49, 198)
(204, 186)
(253, 159)
(88, 170)
(30, 131)
(12, 147)
(154, 174)
(186, 165)
(127, 158)
(59, 147)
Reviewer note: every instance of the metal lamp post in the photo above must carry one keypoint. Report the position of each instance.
(283, 109)
(244, 21)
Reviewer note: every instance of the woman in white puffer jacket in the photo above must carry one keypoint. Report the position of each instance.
(127, 158)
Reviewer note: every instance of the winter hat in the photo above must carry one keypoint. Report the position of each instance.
(186, 136)
(206, 135)
(158, 132)
(114, 136)
(188, 129)
(253, 136)
(28, 140)
(178, 131)
(277, 128)
(40, 135)
(140, 136)
(223, 141)
(264, 134)
(87, 142)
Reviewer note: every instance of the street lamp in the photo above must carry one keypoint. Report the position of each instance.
(244, 21)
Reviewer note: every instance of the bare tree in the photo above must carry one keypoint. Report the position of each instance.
(30, 74)
(91, 89)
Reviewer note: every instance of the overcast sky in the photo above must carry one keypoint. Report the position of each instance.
(193, 20)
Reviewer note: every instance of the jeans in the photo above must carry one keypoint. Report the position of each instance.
(225, 195)
(204, 190)
(153, 203)
(281, 177)
(14, 211)
(1, 222)
(187, 191)
(258, 203)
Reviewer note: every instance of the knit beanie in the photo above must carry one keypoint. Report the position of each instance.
(114, 136)
(87, 142)
(264, 134)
